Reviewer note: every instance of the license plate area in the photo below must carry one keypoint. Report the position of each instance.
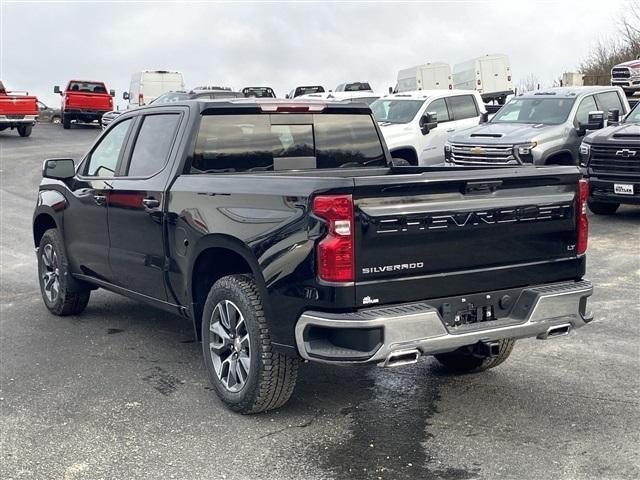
(477, 309)
(623, 188)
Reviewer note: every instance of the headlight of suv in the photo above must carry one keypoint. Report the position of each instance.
(523, 151)
(585, 152)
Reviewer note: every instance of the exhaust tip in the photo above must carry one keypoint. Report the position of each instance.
(402, 357)
(556, 331)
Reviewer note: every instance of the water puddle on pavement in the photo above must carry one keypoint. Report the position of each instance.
(389, 428)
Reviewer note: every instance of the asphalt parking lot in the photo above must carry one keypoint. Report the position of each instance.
(120, 392)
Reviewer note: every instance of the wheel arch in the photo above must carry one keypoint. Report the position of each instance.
(407, 152)
(214, 257)
(560, 157)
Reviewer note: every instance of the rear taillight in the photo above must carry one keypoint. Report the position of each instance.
(450, 87)
(508, 78)
(140, 99)
(335, 251)
(582, 220)
(479, 82)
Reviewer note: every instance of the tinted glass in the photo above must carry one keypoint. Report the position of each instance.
(104, 158)
(241, 143)
(549, 111)
(153, 144)
(440, 108)
(463, 106)
(588, 104)
(634, 116)
(609, 101)
(87, 87)
(306, 90)
(395, 111)
(171, 97)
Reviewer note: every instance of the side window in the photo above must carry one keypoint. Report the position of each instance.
(153, 144)
(440, 108)
(462, 106)
(103, 159)
(588, 104)
(609, 101)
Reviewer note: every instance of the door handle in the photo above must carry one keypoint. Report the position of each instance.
(100, 199)
(151, 203)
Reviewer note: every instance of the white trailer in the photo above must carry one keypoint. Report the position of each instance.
(148, 85)
(430, 76)
(490, 75)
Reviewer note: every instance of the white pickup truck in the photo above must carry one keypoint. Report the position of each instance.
(408, 121)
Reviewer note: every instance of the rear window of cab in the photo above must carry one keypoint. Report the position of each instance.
(285, 142)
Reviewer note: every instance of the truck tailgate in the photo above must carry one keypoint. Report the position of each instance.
(88, 101)
(18, 105)
(448, 233)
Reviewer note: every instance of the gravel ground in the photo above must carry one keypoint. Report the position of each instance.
(121, 392)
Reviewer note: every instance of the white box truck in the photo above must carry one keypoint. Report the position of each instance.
(148, 85)
(430, 76)
(490, 75)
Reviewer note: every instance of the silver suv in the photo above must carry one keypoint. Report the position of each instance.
(540, 128)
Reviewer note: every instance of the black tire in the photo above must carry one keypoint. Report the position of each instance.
(66, 122)
(602, 208)
(400, 162)
(271, 376)
(463, 361)
(25, 130)
(71, 298)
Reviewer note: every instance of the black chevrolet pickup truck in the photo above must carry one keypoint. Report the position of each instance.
(284, 232)
(610, 159)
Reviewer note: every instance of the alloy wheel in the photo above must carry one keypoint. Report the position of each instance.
(229, 345)
(50, 272)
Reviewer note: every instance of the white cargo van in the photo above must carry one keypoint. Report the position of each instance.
(430, 76)
(489, 75)
(148, 85)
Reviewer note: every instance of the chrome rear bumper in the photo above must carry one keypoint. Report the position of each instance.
(542, 311)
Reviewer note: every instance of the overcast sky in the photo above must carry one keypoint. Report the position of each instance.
(283, 44)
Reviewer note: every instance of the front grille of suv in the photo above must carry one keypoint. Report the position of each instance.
(615, 160)
(474, 154)
(621, 72)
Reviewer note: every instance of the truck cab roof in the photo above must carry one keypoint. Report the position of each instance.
(568, 92)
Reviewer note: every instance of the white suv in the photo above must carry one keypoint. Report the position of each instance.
(416, 125)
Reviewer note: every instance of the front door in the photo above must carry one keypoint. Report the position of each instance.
(432, 144)
(136, 205)
(85, 225)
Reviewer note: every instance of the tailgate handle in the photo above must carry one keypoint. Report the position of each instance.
(483, 187)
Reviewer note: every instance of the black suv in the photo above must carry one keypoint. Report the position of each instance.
(611, 160)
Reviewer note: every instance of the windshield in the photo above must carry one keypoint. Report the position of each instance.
(395, 111)
(259, 92)
(257, 142)
(634, 116)
(548, 111)
(356, 87)
(87, 87)
(171, 97)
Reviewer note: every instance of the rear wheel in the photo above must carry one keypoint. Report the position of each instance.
(25, 130)
(61, 294)
(55, 120)
(602, 208)
(66, 122)
(247, 375)
(464, 361)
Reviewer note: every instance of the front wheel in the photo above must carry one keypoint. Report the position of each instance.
(602, 208)
(25, 130)
(464, 361)
(66, 122)
(247, 375)
(61, 294)
(55, 120)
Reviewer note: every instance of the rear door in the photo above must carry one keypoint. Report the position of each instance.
(452, 233)
(464, 111)
(136, 221)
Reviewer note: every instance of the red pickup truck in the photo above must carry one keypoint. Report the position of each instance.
(17, 111)
(84, 101)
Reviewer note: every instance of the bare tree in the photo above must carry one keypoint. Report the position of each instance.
(529, 83)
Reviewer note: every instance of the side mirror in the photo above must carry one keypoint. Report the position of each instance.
(286, 96)
(390, 89)
(58, 168)
(125, 95)
(428, 122)
(112, 93)
(484, 117)
(595, 122)
(613, 116)
(56, 89)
